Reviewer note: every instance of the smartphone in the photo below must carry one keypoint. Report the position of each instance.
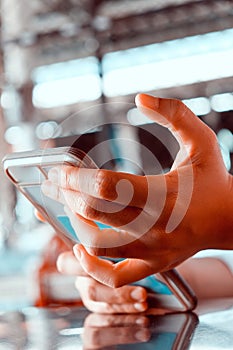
(27, 170)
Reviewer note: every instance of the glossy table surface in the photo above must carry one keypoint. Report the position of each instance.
(210, 327)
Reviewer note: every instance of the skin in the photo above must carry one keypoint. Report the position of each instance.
(99, 298)
(181, 212)
(101, 331)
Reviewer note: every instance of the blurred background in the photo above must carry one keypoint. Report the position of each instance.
(59, 57)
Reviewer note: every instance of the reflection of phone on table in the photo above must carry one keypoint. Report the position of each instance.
(68, 329)
(168, 332)
(27, 170)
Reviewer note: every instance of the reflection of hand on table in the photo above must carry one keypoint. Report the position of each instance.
(108, 330)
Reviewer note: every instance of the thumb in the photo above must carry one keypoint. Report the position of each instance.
(177, 117)
(111, 274)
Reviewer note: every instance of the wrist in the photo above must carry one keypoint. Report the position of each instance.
(211, 220)
(222, 230)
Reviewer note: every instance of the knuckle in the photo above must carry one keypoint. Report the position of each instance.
(172, 186)
(58, 194)
(68, 175)
(87, 208)
(90, 292)
(108, 308)
(180, 109)
(115, 282)
(105, 186)
(122, 294)
(95, 251)
(179, 104)
(212, 137)
(63, 178)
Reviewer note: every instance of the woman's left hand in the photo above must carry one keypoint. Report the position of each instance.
(100, 298)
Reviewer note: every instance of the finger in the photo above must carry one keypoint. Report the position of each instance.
(122, 188)
(90, 235)
(87, 287)
(106, 308)
(129, 219)
(105, 242)
(53, 191)
(112, 275)
(122, 295)
(101, 293)
(175, 115)
(69, 265)
(80, 202)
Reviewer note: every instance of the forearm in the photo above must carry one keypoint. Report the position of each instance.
(208, 277)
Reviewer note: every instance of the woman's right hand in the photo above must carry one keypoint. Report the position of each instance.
(157, 221)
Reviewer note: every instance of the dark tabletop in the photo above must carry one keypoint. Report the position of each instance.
(209, 327)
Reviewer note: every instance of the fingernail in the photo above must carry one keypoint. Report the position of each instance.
(137, 294)
(147, 101)
(139, 306)
(53, 175)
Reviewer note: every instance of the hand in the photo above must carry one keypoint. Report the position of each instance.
(99, 298)
(162, 220)
(102, 331)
